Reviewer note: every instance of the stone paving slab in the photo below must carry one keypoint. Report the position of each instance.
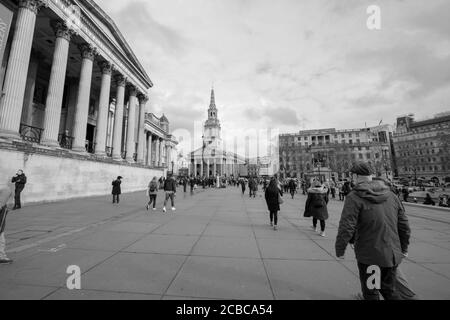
(65, 294)
(164, 244)
(227, 278)
(310, 280)
(131, 272)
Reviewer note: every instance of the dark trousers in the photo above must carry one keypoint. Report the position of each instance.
(17, 203)
(170, 196)
(322, 224)
(387, 283)
(152, 200)
(116, 198)
(274, 217)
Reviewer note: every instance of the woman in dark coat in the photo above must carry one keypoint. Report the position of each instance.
(116, 190)
(272, 194)
(316, 206)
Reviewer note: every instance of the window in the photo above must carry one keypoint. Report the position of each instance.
(361, 156)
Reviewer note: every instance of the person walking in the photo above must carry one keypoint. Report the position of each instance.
(243, 186)
(5, 195)
(116, 189)
(170, 188)
(20, 180)
(292, 187)
(375, 219)
(273, 195)
(316, 206)
(185, 183)
(152, 193)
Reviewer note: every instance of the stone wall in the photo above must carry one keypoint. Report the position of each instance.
(60, 175)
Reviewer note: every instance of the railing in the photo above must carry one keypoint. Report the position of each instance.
(31, 134)
(65, 141)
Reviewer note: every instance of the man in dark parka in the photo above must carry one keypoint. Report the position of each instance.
(374, 218)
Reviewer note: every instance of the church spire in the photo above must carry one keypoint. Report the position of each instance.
(212, 104)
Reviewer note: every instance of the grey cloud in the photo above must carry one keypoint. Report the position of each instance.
(139, 24)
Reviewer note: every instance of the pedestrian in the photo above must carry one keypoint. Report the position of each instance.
(5, 195)
(375, 219)
(333, 189)
(152, 193)
(243, 186)
(170, 189)
(292, 187)
(185, 182)
(116, 189)
(316, 206)
(346, 189)
(429, 201)
(192, 184)
(20, 180)
(273, 196)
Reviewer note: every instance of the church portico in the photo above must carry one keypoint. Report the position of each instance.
(212, 160)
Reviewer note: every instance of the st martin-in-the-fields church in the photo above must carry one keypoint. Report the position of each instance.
(212, 159)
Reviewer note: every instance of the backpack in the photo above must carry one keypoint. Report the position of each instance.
(152, 187)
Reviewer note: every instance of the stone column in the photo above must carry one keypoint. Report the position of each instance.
(84, 94)
(157, 152)
(52, 116)
(118, 118)
(16, 73)
(131, 144)
(202, 173)
(103, 109)
(215, 167)
(27, 113)
(207, 172)
(195, 167)
(149, 150)
(141, 131)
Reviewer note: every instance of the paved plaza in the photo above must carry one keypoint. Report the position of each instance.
(217, 245)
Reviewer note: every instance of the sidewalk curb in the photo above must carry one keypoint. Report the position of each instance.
(416, 205)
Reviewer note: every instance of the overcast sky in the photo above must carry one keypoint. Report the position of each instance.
(290, 64)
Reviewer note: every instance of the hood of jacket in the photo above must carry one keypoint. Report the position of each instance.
(320, 190)
(375, 191)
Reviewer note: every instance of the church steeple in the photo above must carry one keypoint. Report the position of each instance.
(212, 104)
(212, 110)
(212, 125)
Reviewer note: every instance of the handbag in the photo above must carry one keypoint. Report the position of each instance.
(280, 199)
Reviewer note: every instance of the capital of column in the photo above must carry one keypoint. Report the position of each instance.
(61, 30)
(133, 90)
(88, 51)
(143, 98)
(106, 67)
(33, 5)
(120, 80)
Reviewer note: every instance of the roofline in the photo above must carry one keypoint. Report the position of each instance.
(104, 17)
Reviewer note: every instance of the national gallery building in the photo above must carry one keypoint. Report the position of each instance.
(73, 104)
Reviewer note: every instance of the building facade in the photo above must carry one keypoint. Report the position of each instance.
(211, 159)
(73, 88)
(328, 154)
(422, 148)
